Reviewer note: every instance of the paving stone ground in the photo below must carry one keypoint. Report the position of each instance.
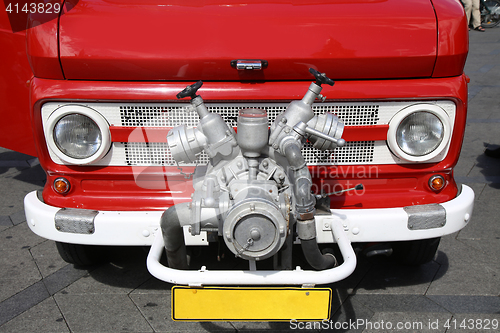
(461, 287)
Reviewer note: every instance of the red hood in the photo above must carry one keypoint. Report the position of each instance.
(150, 40)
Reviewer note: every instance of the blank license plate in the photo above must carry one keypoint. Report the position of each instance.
(250, 304)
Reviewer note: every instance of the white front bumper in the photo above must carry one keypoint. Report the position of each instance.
(359, 225)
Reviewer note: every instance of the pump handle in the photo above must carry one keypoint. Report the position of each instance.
(321, 78)
(190, 91)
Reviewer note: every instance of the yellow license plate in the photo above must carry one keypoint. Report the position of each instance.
(250, 304)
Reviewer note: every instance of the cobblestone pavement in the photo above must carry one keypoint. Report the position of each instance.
(41, 293)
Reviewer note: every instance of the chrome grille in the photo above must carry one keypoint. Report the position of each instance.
(142, 153)
(157, 153)
(352, 114)
(173, 114)
(353, 152)
(147, 153)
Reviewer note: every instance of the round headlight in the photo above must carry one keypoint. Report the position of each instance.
(419, 132)
(77, 134)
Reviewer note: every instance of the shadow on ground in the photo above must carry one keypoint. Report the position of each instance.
(490, 167)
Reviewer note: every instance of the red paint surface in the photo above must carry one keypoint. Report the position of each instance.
(155, 134)
(196, 40)
(453, 38)
(42, 47)
(15, 73)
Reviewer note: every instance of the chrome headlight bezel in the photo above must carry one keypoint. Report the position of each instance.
(93, 115)
(398, 118)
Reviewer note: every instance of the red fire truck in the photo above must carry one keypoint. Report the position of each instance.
(261, 127)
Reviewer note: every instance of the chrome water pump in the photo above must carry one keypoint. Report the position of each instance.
(255, 192)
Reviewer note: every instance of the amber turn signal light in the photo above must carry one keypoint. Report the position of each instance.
(61, 185)
(437, 183)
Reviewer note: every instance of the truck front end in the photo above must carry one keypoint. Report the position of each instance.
(259, 157)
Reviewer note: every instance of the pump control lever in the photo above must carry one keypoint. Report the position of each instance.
(321, 78)
(190, 91)
(358, 187)
(303, 129)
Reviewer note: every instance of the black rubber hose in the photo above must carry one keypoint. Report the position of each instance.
(173, 235)
(305, 201)
(294, 156)
(314, 257)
